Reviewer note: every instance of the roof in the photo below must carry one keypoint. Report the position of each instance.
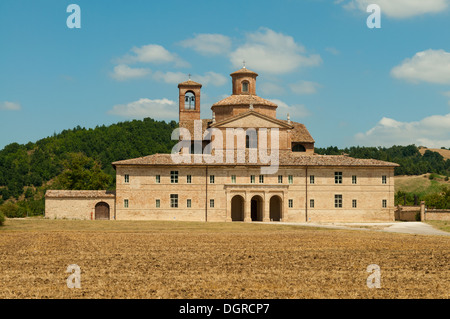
(300, 133)
(286, 158)
(79, 193)
(189, 83)
(244, 99)
(244, 70)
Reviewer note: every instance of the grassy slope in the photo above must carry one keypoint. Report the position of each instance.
(419, 184)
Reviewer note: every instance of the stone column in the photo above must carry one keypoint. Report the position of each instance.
(247, 208)
(422, 211)
(266, 208)
(228, 207)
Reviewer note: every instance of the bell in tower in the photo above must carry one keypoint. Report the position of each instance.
(189, 102)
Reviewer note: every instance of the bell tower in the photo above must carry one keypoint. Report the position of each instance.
(189, 102)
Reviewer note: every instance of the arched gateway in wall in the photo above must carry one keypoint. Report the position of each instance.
(102, 211)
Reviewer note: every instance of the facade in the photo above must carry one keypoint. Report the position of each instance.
(227, 171)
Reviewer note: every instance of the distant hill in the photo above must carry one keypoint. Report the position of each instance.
(412, 161)
(420, 184)
(444, 152)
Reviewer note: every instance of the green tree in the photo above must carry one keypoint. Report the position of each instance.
(81, 172)
(12, 210)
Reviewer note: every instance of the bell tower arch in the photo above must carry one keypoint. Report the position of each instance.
(189, 101)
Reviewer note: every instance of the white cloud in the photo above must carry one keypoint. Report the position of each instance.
(208, 44)
(432, 131)
(123, 72)
(268, 88)
(295, 111)
(400, 8)
(170, 77)
(272, 52)
(431, 66)
(162, 109)
(212, 78)
(304, 87)
(153, 53)
(10, 106)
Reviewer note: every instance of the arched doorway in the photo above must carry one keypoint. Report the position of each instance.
(275, 208)
(256, 206)
(237, 208)
(102, 211)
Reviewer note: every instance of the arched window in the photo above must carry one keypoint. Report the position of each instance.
(245, 86)
(251, 141)
(298, 148)
(189, 101)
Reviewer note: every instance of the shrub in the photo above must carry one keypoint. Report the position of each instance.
(12, 210)
(2, 218)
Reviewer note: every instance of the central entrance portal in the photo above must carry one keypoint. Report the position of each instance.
(256, 206)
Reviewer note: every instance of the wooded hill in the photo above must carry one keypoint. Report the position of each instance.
(81, 158)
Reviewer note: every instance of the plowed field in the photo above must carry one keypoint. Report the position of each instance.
(216, 260)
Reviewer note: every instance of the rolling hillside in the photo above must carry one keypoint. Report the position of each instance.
(444, 152)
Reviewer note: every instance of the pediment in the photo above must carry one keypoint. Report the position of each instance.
(251, 119)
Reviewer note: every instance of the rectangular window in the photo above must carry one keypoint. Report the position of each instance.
(125, 203)
(311, 203)
(261, 179)
(233, 179)
(174, 177)
(211, 203)
(188, 204)
(158, 203)
(280, 179)
(338, 201)
(338, 177)
(353, 179)
(211, 179)
(311, 179)
(384, 203)
(383, 179)
(188, 179)
(291, 203)
(252, 179)
(127, 178)
(291, 179)
(158, 179)
(354, 203)
(174, 200)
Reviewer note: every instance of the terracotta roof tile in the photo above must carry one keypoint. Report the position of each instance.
(189, 82)
(300, 133)
(244, 70)
(244, 99)
(79, 193)
(286, 158)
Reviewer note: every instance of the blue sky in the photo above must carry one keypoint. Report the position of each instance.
(317, 59)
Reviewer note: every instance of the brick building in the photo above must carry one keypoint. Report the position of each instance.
(225, 174)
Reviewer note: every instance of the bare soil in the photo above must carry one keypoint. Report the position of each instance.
(216, 260)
